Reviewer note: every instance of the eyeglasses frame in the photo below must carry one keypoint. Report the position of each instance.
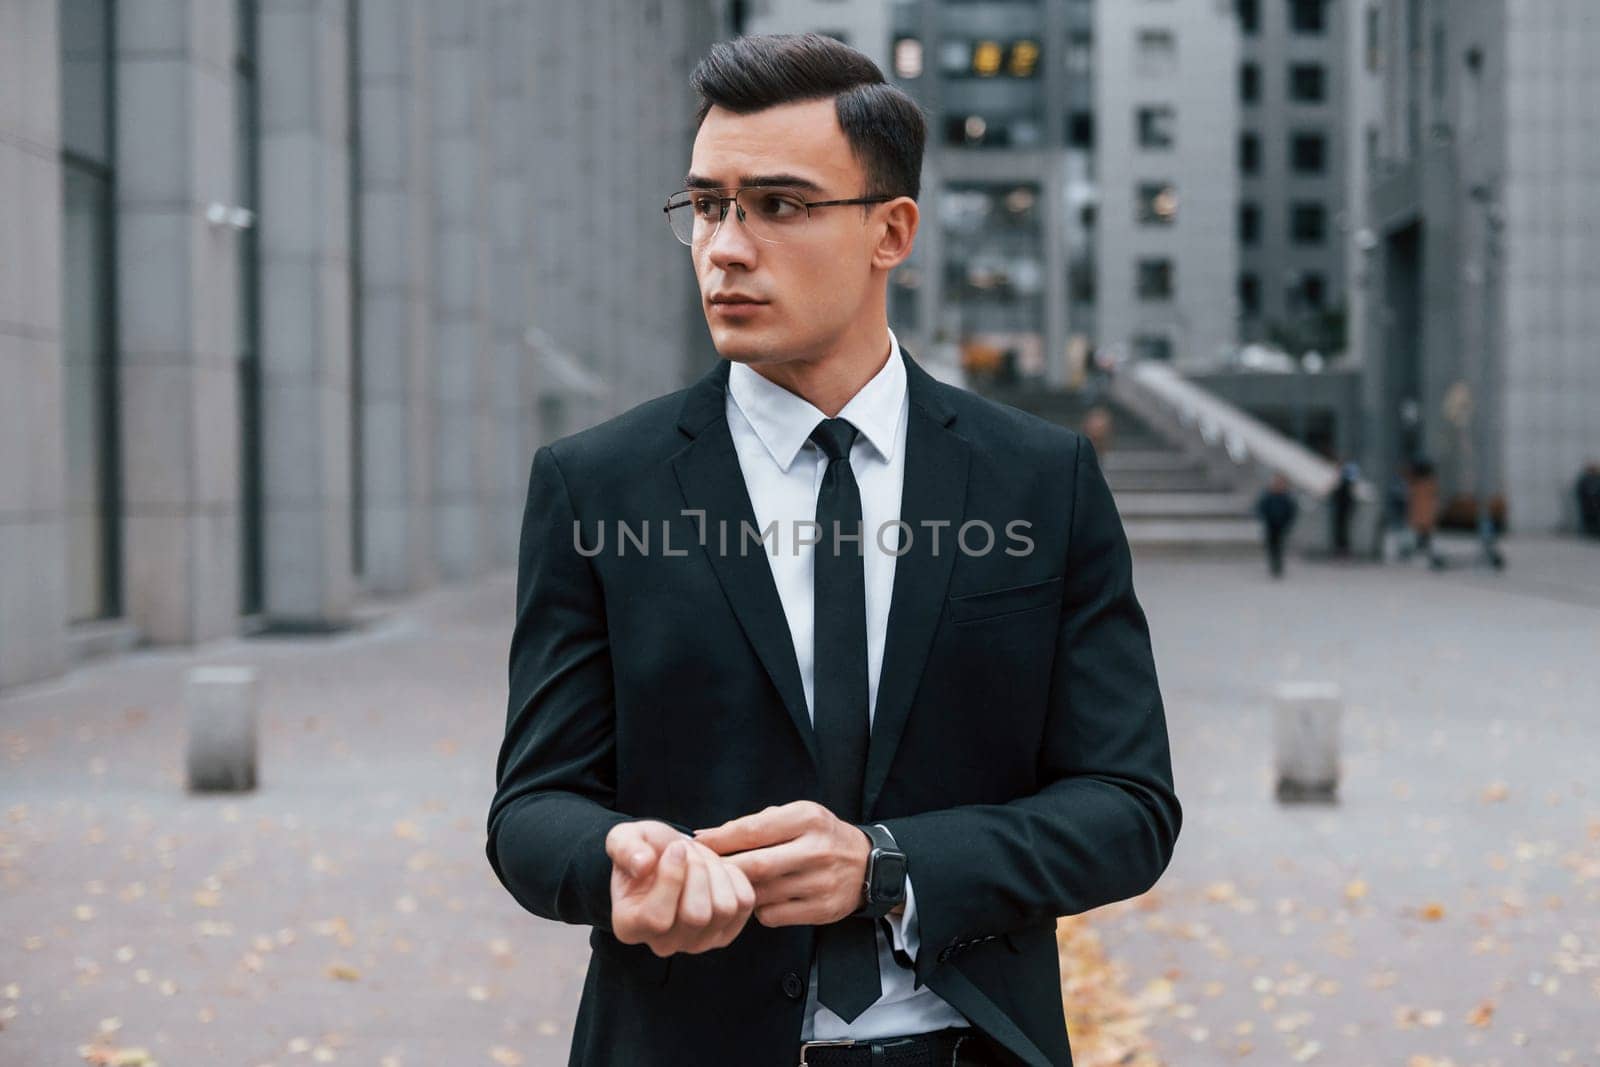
(722, 206)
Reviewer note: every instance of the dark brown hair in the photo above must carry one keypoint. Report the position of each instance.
(884, 126)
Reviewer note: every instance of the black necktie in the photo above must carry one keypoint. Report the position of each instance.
(847, 951)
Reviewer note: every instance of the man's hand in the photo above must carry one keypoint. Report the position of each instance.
(672, 893)
(807, 865)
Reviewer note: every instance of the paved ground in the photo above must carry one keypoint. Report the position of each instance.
(1445, 911)
(1447, 907)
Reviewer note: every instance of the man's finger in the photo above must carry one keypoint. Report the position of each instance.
(770, 826)
(774, 861)
(635, 845)
(801, 885)
(694, 905)
(724, 901)
(659, 908)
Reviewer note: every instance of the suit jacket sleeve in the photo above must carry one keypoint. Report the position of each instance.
(556, 771)
(1103, 824)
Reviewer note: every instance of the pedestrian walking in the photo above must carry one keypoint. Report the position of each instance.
(1277, 509)
(1422, 509)
(1343, 501)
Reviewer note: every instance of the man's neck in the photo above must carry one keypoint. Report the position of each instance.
(829, 383)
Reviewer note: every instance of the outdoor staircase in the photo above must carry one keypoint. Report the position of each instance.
(1170, 502)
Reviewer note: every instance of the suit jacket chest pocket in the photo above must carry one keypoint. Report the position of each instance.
(999, 603)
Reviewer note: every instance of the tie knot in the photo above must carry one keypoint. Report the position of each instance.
(834, 436)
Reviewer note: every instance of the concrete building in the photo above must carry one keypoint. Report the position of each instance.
(1166, 122)
(1485, 284)
(861, 24)
(1293, 92)
(293, 290)
(1080, 178)
(991, 250)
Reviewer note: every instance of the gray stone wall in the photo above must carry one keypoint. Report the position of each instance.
(438, 183)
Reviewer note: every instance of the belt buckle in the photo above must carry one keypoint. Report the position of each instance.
(844, 1042)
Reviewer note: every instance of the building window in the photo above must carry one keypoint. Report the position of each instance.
(1249, 153)
(908, 58)
(1308, 153)
(1080, 52)
(1249, 12)
(1080, 129)
(1249, 295)
(1156, 204)
(88, 336)
(1307, 16)
(1156, 125)
(1308, 223)
(955, 57)
(1374, 40)
(1156, 346)
(1307, 83)
(247, 334)
(1313, 290)
(1249, 82)
(1153, 279)
(1157, 51)
(1249, 224)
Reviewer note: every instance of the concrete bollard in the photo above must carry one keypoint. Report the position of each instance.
(1306, 740)
(221, 705)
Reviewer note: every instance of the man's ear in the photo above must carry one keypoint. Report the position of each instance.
(900, 220)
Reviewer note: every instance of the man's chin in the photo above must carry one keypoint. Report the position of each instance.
(740, 346)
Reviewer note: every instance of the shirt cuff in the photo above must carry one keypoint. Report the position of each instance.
(903, 928)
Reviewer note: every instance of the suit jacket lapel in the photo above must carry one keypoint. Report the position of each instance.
(935, 488)
(712, 482)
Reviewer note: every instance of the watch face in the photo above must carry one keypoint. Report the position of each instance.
(888, 876)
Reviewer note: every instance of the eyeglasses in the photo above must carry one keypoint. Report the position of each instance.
(771, 215)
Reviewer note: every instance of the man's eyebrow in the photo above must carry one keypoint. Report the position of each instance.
(793, 181)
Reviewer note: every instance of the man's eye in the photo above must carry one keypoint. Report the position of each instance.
(704, 206)
(776, 206)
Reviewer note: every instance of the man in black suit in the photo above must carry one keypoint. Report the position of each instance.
(822, 641)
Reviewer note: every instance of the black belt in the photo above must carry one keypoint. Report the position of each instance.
(937, 1049)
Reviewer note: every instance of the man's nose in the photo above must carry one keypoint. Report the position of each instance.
(732, 242)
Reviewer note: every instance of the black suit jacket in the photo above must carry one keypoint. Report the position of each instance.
(1018, 754)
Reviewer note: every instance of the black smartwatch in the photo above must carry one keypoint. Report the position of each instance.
(885, 885)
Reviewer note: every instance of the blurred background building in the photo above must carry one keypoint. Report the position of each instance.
(1483, 328)
(290, 292)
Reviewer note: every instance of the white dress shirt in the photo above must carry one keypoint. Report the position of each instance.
(783, 474)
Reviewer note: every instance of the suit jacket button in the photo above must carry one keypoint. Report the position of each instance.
(793, 988)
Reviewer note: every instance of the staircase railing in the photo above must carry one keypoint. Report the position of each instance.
(1241, 449)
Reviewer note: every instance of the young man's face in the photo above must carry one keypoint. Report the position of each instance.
(821, 288)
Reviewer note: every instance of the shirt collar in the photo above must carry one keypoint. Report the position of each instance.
(784, 420)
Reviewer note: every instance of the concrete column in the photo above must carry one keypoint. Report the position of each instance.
(33, 590)
(305, 311)
(509, 403)
(395, 298)
(176, 306)
(460, 309)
